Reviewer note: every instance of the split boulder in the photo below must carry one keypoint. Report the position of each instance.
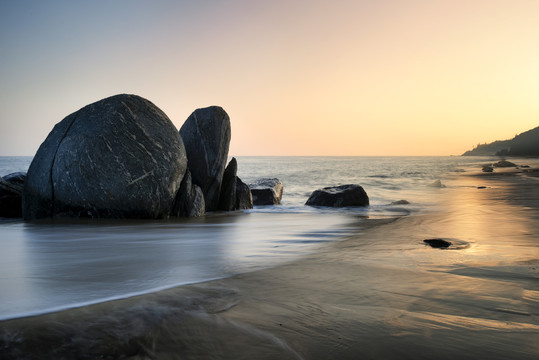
(120, 157)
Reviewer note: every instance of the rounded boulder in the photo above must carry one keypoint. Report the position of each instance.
(120, 157)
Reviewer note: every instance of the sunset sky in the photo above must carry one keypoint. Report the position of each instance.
(302, 77)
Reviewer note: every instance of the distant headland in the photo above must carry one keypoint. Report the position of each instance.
(525, 144)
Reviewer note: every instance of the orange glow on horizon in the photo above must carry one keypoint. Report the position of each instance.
(297, 78)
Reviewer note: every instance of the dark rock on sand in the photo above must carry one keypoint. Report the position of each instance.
(120, 157)
(244, 198)
(487, 168)
(339, 196)
(11, 187)
(206, 135)
(189, 199)
(227, 198)
(437, 243)
(267, 191)
(504, 163)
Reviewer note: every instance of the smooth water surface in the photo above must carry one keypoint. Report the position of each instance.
(48, 265)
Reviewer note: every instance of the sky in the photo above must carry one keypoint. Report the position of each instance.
(297, 77)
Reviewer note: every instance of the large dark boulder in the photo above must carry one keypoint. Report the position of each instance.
(11, 187)
(120, 157)
(206, 135)
(227, 198)
(189, 200)
(267, 191)
(339, 196)
(244, 198)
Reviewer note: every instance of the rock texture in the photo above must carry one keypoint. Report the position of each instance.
(206, 135)
(227, 198)
(244, 198)
(11, 187)
(267, 191)
(339, 196)
(189, 200)
(437, 243)
(120, 157)
(504, 164)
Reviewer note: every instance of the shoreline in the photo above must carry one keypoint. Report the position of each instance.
(378, 294)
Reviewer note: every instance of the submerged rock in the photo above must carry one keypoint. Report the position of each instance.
(244, 198)
(267, 191)
(206, 135)
(120, 157)
(189, 199)
(487, 169)
(400, 202)
(339, 196)
(437, 184)
(437, 243)
(11, 187)
(504, 163)
(227, 198)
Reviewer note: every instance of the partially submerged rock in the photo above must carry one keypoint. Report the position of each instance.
(189, 199)
(339, 196)
(487, 169)
(11, 187)
(437, 184)
(400, 202)
(438, 243)
(120, 157)
(227, 198)
(267, 191)
(504, 164)
(206, 135)
(244, 198)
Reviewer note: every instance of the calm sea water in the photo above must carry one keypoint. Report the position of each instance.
(53, 265)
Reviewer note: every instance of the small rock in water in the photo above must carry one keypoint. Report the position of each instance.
(400, 202)
(339, 196)
(244, 198)
(481, 187)
(267, 191)
(437, 184)
(488, 168)
(504, 163)
(11, 187)
(437, 243)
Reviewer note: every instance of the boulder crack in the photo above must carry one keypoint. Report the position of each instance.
(54, 159)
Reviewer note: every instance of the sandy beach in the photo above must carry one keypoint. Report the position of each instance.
(379, 294)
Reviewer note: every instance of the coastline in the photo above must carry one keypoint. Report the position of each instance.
(378, 294)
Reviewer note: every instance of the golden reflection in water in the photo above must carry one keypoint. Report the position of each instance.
(498, 231)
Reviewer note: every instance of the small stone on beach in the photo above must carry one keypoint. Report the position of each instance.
(437, 243)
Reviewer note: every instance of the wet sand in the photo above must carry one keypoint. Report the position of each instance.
(380, 294)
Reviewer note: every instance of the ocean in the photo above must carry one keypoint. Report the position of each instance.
(290, 281)
(50, 266)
